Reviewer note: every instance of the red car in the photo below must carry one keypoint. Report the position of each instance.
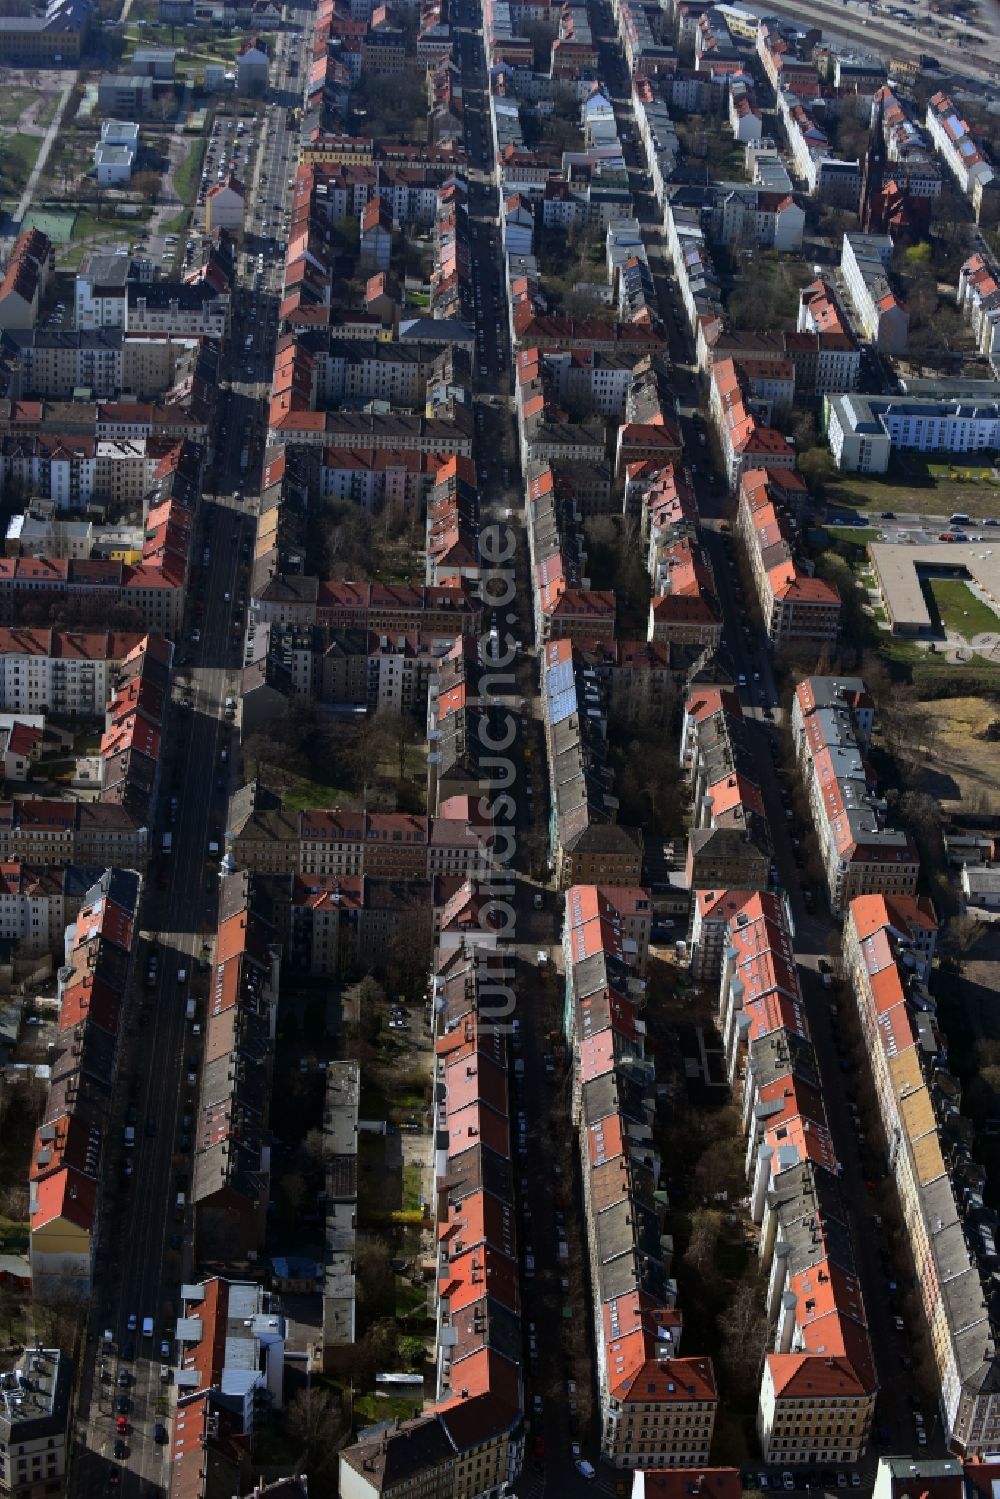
(121, 1425)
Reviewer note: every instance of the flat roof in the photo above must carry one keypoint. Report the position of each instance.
(896, 570)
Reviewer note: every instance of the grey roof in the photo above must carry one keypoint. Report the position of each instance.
(478, 1169)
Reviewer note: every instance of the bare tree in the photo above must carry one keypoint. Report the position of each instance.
(315, 1418)
(743, 1335)
(700, 1254)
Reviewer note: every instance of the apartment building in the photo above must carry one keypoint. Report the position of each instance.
(267, 840)
(230, 1168)
(960, 150)
(565, 606)
(978, 295)
(227, 1368)
(729, 841)
(864, 430)
(339, 923)
(587, 844)
(60, 671)
(31, 263)
(38, 902)
(65, 1174)
(886, 954)
(860, 853)
(713, 911)
(743, 394)
(35, 1398)
(865, 262)
(798, 609)
(657, 1406)
(818, 1386)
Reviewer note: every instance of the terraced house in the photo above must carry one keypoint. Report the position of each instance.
(832, 721)
(657, 1405)
(818, 1389)
(888, 945)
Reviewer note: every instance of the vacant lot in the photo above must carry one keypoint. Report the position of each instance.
(962, 768)
(914, 486)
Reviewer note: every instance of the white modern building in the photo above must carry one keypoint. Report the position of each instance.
(863, 430)
(882, 320)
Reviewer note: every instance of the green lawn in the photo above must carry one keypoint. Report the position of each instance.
(188, 174)
(13, 103)
(89, 225)
(303, 794)
(18, 155)
(47, 113)
(859, 535)
(372, 1408)
(412, 1182)
(13, 1235)
(959, 608)
(178, 224)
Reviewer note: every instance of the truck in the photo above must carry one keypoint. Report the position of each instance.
(129, 1136)
(168, 842)
(190, 1010)
(147, 1327)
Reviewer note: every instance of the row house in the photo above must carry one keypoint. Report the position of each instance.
(155, 585)
(657, 133)
(644, 680)
(697, 279)
(451, 544)
(785, 71)
(818, 1386)
(712, 911)
(657, 1405)
(888, 946)
(69, 1151)
(26, 275)
(364, 670)
(469, 1440)
(825, 176)
(798, 609)
(135, 721)
(861, 854)
(400, 481)
(265, 839)
(37, 831)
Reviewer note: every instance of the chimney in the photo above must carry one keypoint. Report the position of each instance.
(786, 1323)
(779, 1277)
(761, 1178)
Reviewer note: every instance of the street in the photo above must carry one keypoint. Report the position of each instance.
(144, 1249)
